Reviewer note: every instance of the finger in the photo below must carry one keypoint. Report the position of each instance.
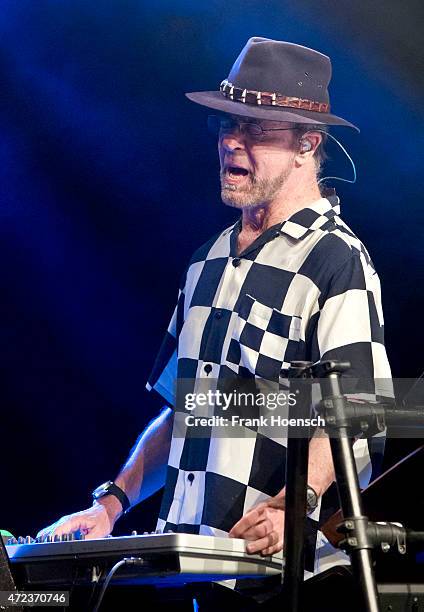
(272, 550)
(51, 529)
(63, 530)
(98, 530)
(279, 503)
(258, 545)
(69, 526)
(94, 534)
(260, 530)
(250, 519)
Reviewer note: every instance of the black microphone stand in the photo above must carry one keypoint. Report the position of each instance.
(359, 542)
(343, 421)
(296, 483)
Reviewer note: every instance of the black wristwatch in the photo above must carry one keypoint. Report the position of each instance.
(110, 488)
(311, 500)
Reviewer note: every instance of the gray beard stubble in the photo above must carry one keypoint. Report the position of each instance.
(257, 192)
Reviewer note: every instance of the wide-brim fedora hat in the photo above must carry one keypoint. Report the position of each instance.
(276, 80)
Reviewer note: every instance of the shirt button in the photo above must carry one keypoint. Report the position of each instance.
(236, 262)
(218, 314)
(207, 368)
(277, 233)
(190, 478)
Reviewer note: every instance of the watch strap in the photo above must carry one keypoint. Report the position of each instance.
(112, 489)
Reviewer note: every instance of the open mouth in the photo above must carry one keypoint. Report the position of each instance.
(234, 171)
(235, 174)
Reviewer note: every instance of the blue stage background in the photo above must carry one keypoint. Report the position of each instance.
(109, 180)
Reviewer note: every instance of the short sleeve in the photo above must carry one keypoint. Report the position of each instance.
(350, 327)
(163, 378)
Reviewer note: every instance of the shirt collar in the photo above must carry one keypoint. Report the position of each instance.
(314, 216)
(299, 225)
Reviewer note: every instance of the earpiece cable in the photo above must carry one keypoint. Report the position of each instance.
(338, 178)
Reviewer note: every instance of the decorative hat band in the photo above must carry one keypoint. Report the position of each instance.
(248, 96)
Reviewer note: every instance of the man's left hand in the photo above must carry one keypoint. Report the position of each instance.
(263, 525)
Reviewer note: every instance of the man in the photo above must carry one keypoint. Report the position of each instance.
(289, 281)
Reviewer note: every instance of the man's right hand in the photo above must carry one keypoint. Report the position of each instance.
(143, 474)
(95, 522)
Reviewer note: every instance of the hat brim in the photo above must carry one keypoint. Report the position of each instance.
(215, 100)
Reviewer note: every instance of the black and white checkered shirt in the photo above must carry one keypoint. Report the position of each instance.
(306, 289)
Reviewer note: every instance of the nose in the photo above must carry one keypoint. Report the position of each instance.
(232, 140)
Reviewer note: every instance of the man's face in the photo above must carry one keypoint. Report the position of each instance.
(254, 168)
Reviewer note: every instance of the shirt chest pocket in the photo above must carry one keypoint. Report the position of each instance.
(263, 340)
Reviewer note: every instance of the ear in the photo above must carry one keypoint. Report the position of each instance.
(308, 144)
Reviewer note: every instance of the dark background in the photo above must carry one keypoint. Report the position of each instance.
(109, 181)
